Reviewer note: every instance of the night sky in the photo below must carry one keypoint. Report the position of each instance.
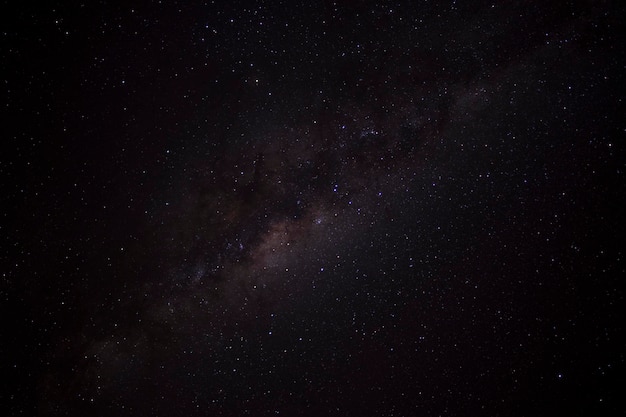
(303, 208)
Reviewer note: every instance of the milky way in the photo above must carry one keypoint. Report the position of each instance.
(266, 208)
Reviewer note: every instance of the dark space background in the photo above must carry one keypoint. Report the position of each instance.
(350, 208)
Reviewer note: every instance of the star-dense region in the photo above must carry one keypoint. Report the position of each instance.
(312, 208)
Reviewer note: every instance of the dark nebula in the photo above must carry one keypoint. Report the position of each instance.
(313, 208)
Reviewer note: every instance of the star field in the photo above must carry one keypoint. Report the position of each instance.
(312, 208)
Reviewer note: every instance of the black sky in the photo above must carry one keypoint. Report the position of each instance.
(312, 208)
